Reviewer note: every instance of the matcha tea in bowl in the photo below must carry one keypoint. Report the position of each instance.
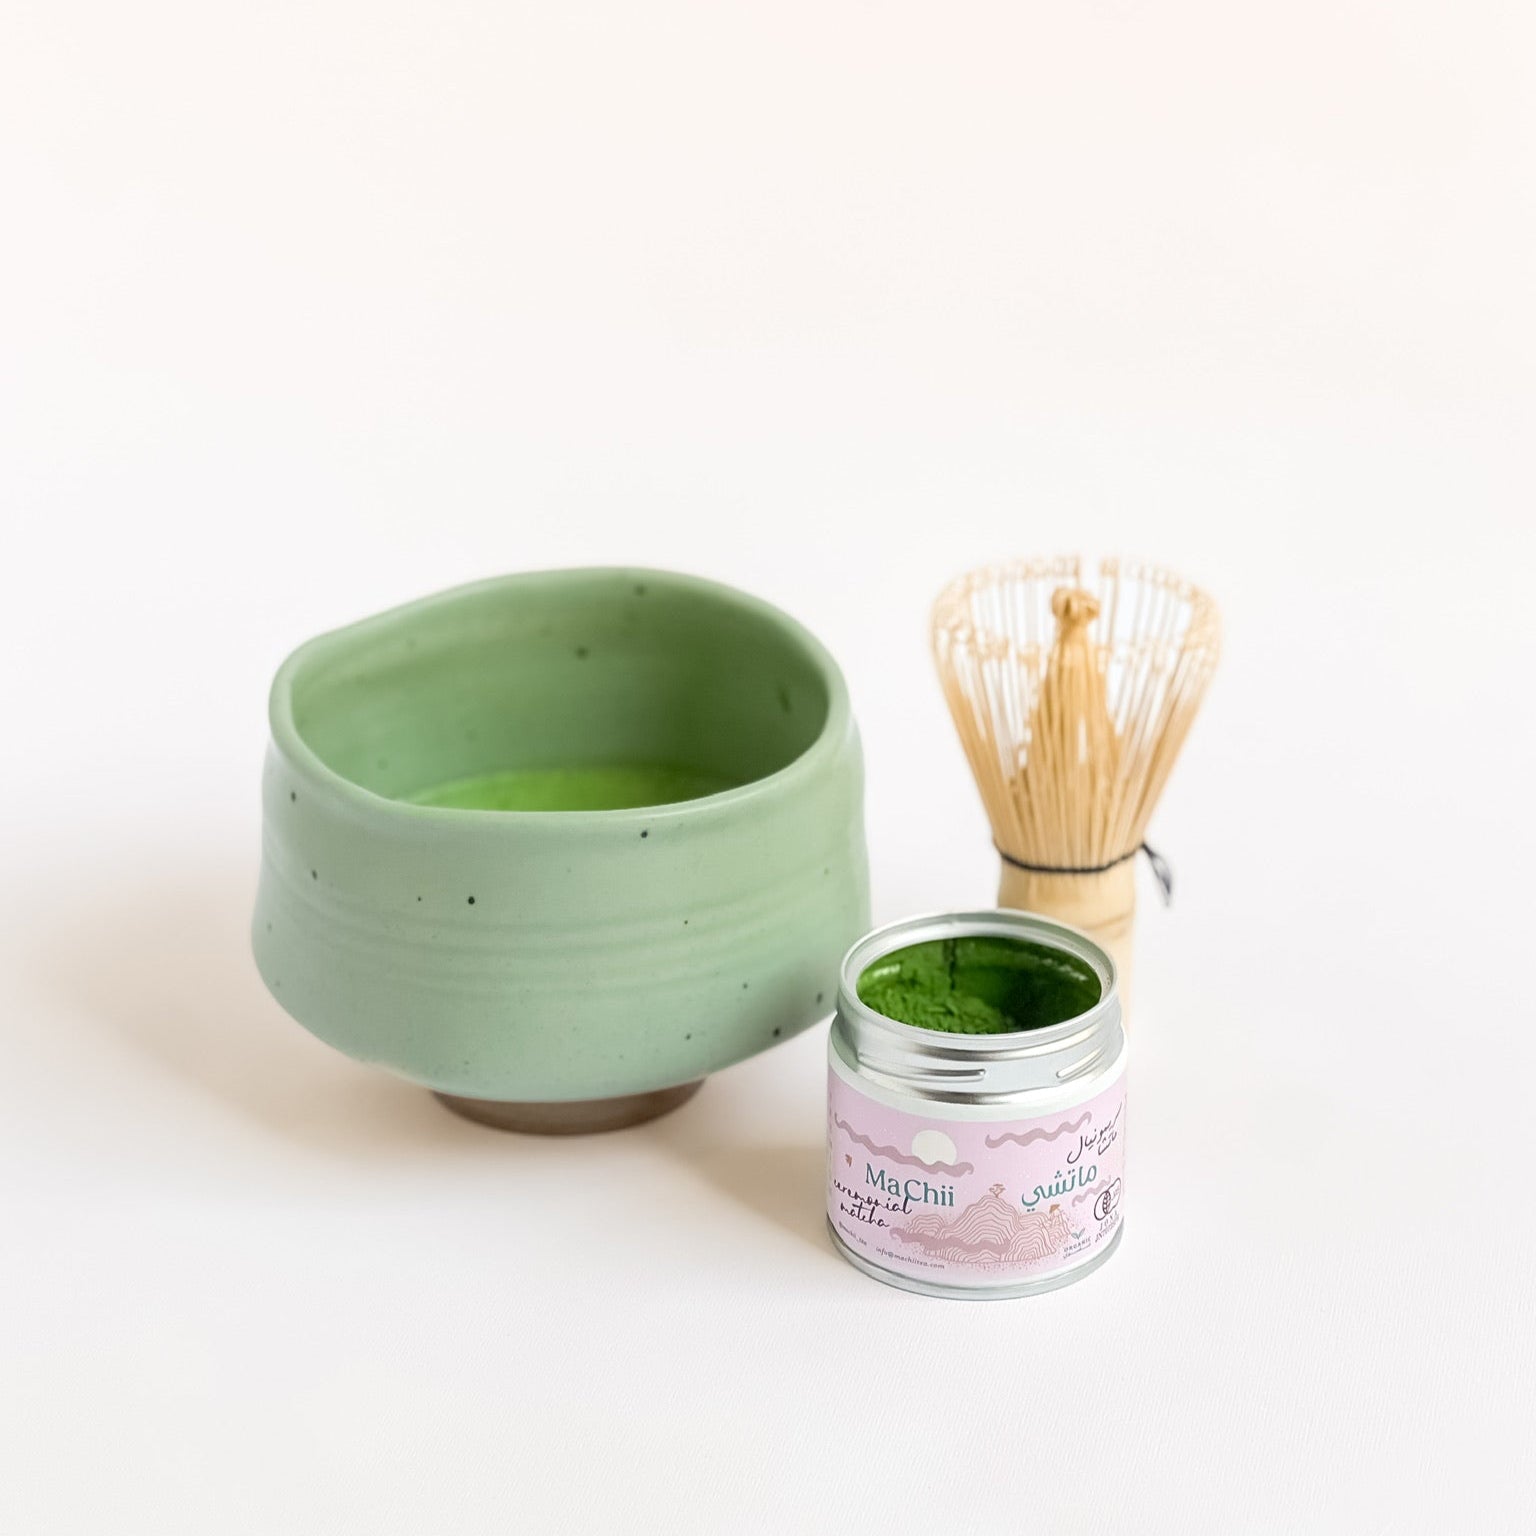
(976, 1105)
(558, 845)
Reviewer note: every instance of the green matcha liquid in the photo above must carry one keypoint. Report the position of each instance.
(982, 985)
(613, 787)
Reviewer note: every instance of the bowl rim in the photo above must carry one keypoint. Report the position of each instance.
(299, 755)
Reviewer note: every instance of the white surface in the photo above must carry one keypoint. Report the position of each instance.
(307, 309)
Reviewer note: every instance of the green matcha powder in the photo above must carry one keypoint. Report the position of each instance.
(981, 985)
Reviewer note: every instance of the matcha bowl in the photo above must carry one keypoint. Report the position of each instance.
(557, 846)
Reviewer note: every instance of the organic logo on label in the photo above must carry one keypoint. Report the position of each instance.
(1109, 1199)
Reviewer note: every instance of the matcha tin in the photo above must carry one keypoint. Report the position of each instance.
(976, 1105)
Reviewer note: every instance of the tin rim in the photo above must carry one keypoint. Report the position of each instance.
(1010, 1291)
(999, 922)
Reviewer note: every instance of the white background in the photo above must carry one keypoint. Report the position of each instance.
(306, 309)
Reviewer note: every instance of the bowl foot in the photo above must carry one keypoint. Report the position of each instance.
(572, 1117)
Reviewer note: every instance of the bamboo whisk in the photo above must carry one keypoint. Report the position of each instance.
(1073, 695)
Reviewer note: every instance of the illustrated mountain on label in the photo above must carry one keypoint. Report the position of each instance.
(989, 1230)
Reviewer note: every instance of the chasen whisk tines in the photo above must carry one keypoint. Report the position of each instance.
(1073, 688)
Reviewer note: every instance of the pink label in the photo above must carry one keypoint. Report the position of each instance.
(974, 1202)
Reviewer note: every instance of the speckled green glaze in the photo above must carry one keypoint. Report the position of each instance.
(568, 954)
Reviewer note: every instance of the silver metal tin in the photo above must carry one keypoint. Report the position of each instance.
(1035, 1105)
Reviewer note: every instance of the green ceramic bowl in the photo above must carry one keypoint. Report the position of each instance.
(561, 969)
